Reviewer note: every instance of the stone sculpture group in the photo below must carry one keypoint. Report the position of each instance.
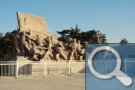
(33, 40)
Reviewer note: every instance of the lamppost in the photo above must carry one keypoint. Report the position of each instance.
(99, 36)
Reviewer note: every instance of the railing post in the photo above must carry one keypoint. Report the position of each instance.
(125, 66)
(17, 69)
(69, 68)
(44, 68)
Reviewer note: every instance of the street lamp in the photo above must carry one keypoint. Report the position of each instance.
(99, 36)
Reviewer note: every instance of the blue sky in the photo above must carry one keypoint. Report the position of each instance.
(115, 18)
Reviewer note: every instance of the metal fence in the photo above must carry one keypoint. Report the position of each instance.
(7, 68)
(34, 68)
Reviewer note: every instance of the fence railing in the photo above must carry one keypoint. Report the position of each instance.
(34, 68)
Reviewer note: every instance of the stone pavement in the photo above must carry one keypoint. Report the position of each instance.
(73, 82)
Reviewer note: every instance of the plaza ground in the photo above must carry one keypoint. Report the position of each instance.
(73, 82)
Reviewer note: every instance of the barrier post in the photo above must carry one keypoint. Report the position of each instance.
(69, 68)
(17, 69)
(44, 68)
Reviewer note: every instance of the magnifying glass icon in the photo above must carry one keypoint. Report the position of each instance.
(125, 79)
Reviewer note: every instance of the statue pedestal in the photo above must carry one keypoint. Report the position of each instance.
(22, 58)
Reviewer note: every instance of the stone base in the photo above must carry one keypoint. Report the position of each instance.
(22, 58)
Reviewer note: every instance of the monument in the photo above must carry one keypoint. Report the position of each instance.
(33, 41)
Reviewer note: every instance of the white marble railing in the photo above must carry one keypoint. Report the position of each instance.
(39, 68)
